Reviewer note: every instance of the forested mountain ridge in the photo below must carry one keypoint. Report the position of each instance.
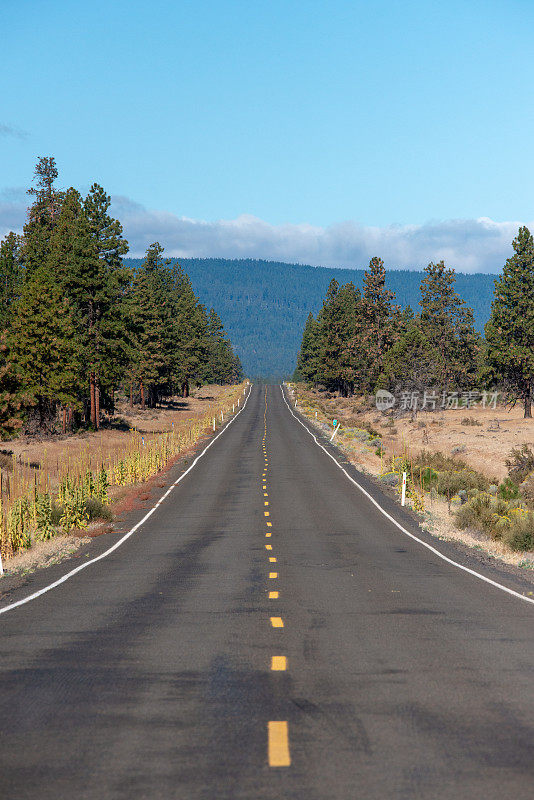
(264, 304)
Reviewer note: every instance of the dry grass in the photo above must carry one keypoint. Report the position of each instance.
(483, 444)
(67, 472)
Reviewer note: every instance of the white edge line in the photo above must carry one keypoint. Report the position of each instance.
(399, 526)
(130, 532)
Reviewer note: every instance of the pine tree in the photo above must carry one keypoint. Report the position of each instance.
(447, 324)
(97, 284)
(308, 357)
(44, 344)
(380, 320)
(338, 351)
(410, 364)
(42, 215)
(191, 334)
(145, 315)
(220, 364)
(10, 275)
(510, 330)
(14, 399)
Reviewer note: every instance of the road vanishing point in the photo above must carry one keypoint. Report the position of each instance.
(268, 632)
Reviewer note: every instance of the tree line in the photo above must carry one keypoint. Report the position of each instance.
(362, 341)
(77, 324)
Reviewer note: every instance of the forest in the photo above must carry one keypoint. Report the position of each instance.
(264, 304)
(361, 340)
(78, 323)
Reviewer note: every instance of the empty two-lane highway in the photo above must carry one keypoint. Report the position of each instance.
(268, 633)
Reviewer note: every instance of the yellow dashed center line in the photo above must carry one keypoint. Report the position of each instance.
(273, 575)
(272, 560)
(268, 547)
(274, 595)
(278, 663)
(278, 749)
(277, 622)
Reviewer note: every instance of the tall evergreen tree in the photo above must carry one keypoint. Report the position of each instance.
(42, 215)
(380, 319)
(308, 357)
(338, 364)
(44, 343)
(146, 324)
(97, 283)
(192, 332)
(448, 325)
(510, 330)
(10, 275)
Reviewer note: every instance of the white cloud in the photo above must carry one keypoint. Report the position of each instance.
(480, 245)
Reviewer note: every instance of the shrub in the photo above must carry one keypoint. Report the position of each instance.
(508, 490)
(520, 463)
(95, 509)
(520, 535)
(470, 421)
(56, 512)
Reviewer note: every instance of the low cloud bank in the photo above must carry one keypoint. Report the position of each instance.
(480, 245)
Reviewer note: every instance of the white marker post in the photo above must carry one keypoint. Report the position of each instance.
(335, 431)
(222, 418)
(213, 423)
(403, 495)
(238, 402)
(233, 407)
(1, 566)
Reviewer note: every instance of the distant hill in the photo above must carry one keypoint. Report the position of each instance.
(264, 304)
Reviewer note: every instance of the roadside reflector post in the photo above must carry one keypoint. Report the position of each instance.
(222, 416)
(238, 402)
(233, 407)
(403, 494)
(335, 431)
(1, 565)
(213, 423)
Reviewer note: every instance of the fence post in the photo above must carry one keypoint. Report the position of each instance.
(403, 495)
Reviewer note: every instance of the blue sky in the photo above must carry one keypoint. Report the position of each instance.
(306, 131)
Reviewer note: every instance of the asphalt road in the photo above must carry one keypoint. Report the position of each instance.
(150, 674)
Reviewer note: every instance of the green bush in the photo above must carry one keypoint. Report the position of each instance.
(521, 463)
(95, 509)
(520, 535)
(508, 490)
(57, 512)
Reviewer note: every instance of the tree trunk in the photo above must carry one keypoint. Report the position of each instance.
(528, 404)
(131, 394)
(97, 401)
(64, 420)
(142, 387)
(92, 397)
(185, 389)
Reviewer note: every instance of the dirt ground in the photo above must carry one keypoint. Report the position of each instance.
(206, 400)
(484, 446)
(52, 451)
